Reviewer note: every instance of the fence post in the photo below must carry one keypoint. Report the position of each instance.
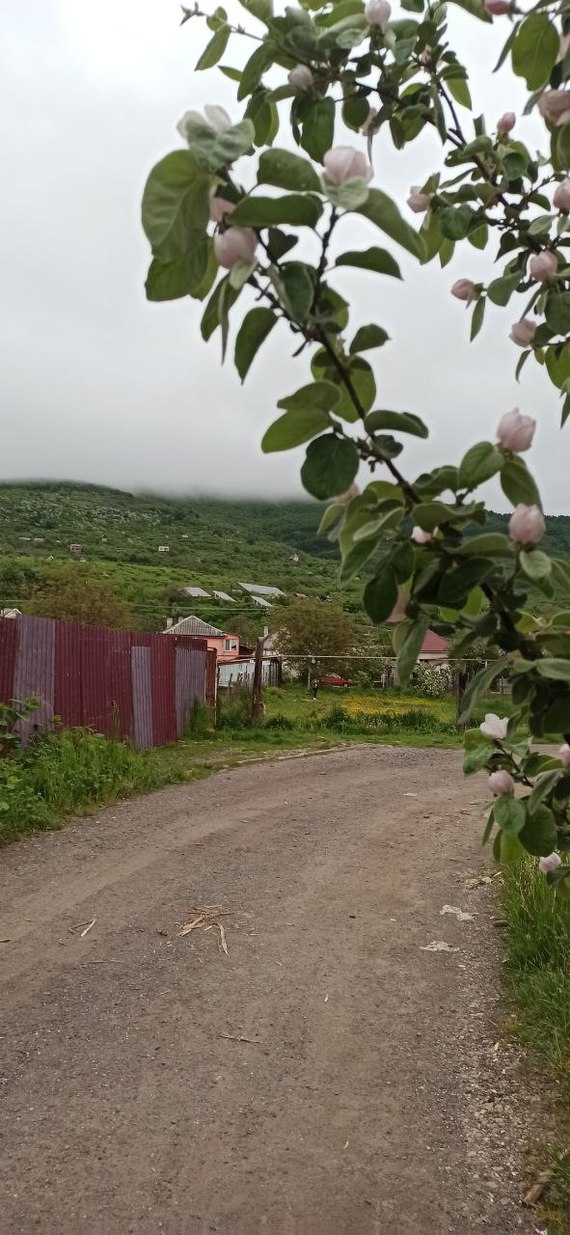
(257, 678)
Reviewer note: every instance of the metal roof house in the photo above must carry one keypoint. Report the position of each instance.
(225, 645)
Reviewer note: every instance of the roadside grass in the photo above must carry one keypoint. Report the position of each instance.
(537, 978)
(73, 772)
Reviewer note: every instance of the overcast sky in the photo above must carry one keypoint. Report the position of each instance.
(99, 385)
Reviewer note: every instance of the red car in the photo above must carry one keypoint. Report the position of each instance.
(335, 679)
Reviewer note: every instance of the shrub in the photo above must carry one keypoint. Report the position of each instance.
(279, 722)
(235, 713)
(431, 682)
(200, 719)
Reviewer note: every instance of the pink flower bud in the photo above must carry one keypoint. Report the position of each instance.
(543, 266)
(549, 863)
(237, 244)
(515, 432)
(495, 727)
(497, 8)
(523, 332)
(425, 56)
(399, 611)
(506, 122)
(377, 12)
(501, 782)
(564, 755)
(344, 163)
(301, 78)
(554, 106)
(418, 201)
(463, 289)
(219, 207)
(561, 197)
(526, 524)
(421, 537)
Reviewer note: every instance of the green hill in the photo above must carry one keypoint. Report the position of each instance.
(212, 543)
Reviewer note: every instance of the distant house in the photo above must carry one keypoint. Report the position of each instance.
(294, 557)
(434, 649)
(10, 613)
(76, 548)
(194, 591)
(226, 645)
(164, 548)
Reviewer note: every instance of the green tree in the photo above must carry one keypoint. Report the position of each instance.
(315, 634)
(75, 594)
(229, 241)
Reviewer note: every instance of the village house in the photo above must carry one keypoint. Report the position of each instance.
(226, 645)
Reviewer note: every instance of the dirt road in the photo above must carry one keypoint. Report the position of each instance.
(326, 1077)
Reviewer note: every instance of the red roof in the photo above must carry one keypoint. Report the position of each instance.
(434, 643)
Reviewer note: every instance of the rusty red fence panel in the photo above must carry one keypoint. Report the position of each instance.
(122, 683)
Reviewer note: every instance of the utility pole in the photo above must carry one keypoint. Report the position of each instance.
(257, 679)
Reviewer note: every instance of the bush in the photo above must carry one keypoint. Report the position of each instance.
(279, 722)
(235, 713)
(432, 682)
(200, 720)
(62, 773)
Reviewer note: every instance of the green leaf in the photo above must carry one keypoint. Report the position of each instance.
(410, 649)
(287, 171)
(214, 49)
(331, 515)
(175, 205)
(362, 381)
(477, 318)
(294, 287)
(262, 9)
(454, 221)
(232, 144)
(476, 758)
(294, 428)
(382, 211)
(355, 110)
(554, 667)
(401, 422)
(279, 243)
(349, 195)
(380, 595)
(330, 466)
(253, 331)
(475, 7)
(501, 290)
(254, 69)
(221, 300)
(557, 312)
(540, 834)
(240, 273)
(296, 210)
(491, 544)
(518, 484)
(190, 275)
(318, 129)
(535, 50)
(479, 464)
(458, 582)
(458, 87)
(535, 563)
(542, 787)
(373, 258)
(510, 814)
(323, 395)
(479, 685)
(368, 337)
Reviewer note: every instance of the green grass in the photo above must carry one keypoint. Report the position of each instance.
(537, 976)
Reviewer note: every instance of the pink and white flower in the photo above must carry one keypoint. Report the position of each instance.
(463, 289)
(301, 78)
(554, 106)
(418, 201)
(494, 726)
(543, 266)
(526, 524)
(561, 197)
(549, 863)
(507, 122)
(237, 244)
(420, 537)
(501, 782)
(345, 163)
(377, 12)
(515, 431)
(523, 332)
(214, 117)
(564, 755)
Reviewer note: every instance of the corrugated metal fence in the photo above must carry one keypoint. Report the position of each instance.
(123, 683)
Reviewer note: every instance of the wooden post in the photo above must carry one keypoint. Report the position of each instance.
(257, 679)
